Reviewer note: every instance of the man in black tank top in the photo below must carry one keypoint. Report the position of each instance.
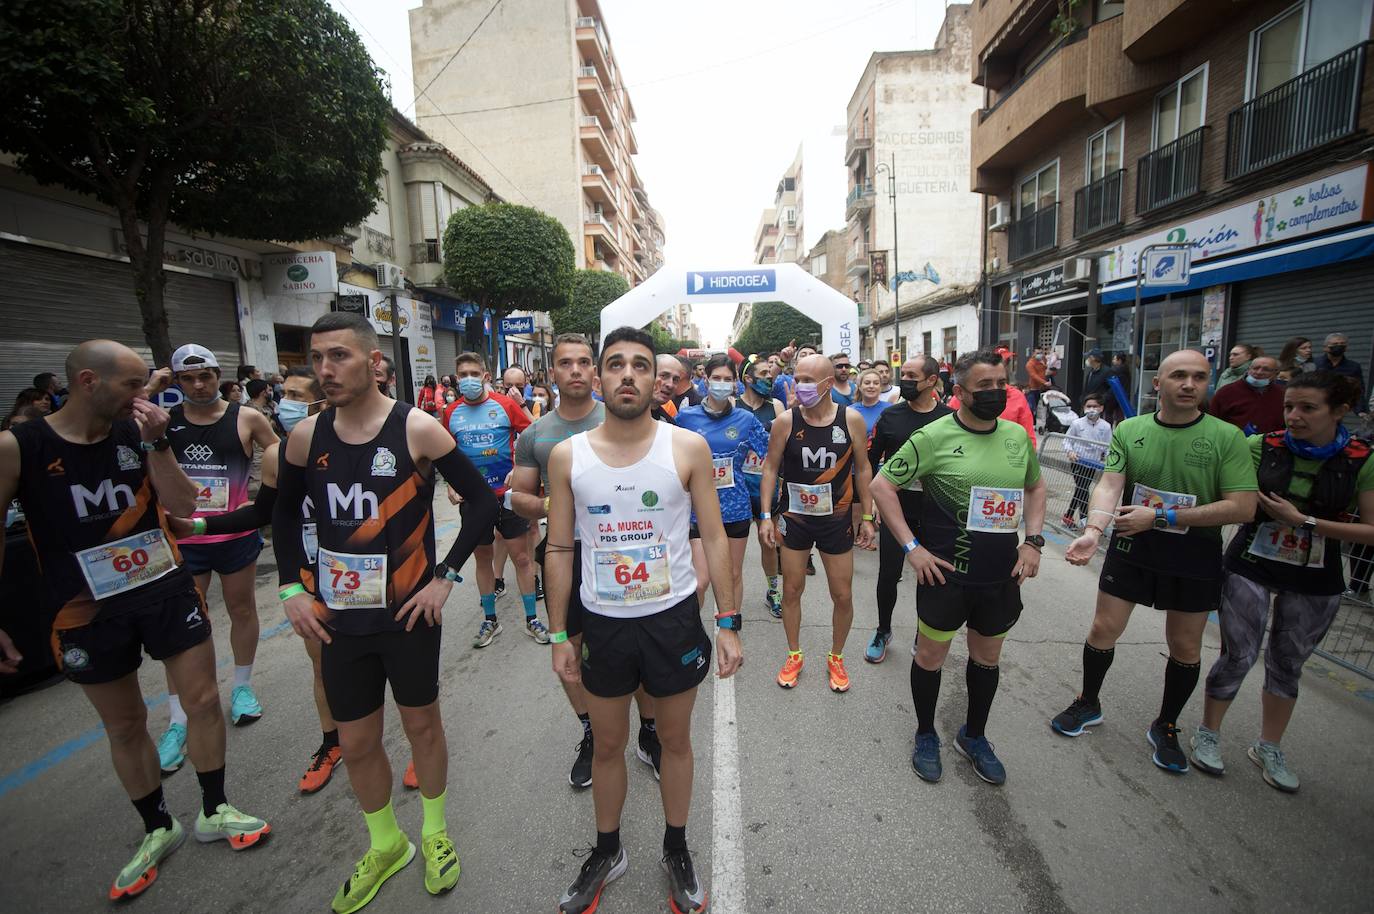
(374, 594)
(94, 480)
(213, 441)
(758, 399)
(818, 450)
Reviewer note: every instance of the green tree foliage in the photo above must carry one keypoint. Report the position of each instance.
(509, 258)
(774, 324)
(592, 290)
(251, 118)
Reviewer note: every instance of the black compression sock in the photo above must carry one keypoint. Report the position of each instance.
(211, 790)
(586, 720)
(608, 842)
(674, 838)
(154, 811)
(925, 691)
(1180, 679)
(331, 738)
(982, 686)
(1096, 663)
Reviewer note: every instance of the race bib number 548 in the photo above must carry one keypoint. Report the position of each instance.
(993, 510)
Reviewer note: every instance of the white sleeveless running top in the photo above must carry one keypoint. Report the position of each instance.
(632, 523)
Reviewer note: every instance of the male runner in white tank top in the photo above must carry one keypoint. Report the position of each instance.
(630, 487)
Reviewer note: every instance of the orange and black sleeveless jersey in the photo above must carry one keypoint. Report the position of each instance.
(94, 521)
(816, 455)
(374, 526)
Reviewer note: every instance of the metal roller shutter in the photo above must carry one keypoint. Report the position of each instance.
(445, 350)
(1310, 303)
(52, 300)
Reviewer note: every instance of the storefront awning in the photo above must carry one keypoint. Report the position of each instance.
(1351, 244)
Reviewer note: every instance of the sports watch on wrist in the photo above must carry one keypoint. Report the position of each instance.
(157, 444)
(1161, 519)
(1035, 540)
(732, 623)
(443, 572)
(1310, 524)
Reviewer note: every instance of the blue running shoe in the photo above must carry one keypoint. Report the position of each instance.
(985, 762)
(1077, 717)
(243, 706)
(1168, 754)
(171, 749)
(877, 648)
(926, 758)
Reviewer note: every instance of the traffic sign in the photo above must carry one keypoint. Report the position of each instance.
(517, 325)
(1167, 266)
(721, 282)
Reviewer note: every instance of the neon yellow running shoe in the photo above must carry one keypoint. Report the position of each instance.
(141, 871)
(441, 863)
(375, 868)
(242, 831)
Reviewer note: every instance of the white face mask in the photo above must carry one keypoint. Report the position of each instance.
(542, 401)
(1092, 413)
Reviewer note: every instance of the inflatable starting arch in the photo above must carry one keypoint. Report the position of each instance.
(786, 282)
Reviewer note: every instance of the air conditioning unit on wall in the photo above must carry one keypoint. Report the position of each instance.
(999, 217)
(390, 276)
(1076, 269)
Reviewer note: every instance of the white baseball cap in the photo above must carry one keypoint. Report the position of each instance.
(192, 357)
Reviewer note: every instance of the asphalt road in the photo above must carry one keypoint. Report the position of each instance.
(804, 800)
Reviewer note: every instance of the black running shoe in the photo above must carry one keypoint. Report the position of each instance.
(1077, 717)
(585, 892)
(500, 588)
(538, 587)
(686, 895)
(1167, 755)
(650, 750)
(581, 776)
(810, 565)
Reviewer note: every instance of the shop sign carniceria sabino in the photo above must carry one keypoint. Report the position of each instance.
(299, 273)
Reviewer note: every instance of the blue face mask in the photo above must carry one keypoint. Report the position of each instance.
(289, 412)
(762, 386)
(471, 388)
(1259, 383)
(720, 390)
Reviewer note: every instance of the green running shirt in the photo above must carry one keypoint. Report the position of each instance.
(1200, 461)
(959, 469)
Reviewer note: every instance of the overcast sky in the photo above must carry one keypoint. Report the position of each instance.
(725, 91)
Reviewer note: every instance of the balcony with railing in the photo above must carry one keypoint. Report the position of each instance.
(860, 139)
(860, 199)
(1171, 173)
(1310, 110)
(1034, 233)
(1098, 206)
(597, 143)
(589, 87)
(856, 263)
(426, 252)
(379, 243)
(426, 267)
(593, 46)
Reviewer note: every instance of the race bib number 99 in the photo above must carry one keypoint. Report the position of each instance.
(632, 574)
(352, 581)
(814, 501)
(133, 561)
(1289, 545)
(1157, 498)
(993, 510)
(723, 471)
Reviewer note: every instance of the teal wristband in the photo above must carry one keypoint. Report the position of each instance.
(911, 546)
(1172, 517)
(290, 591)
(198, 526)
(557, 637)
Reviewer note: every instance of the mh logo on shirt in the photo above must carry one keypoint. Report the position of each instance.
(820, 458)
(355, 500)
(106, 498)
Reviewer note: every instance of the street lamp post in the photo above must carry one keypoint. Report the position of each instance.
(892, 270)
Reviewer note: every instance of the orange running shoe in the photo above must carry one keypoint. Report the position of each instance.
(322, 765)
(839, 679)
(409, 780)
(791, 669)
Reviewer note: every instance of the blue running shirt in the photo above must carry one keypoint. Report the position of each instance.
(732, 438)
(486, 432)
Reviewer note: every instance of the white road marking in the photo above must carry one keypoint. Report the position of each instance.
(727, 833)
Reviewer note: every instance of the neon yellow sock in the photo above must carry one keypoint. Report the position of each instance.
(434, 814)
(382, 828)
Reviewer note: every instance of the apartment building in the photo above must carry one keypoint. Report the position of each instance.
(780, 236)
(907, 141)
(1239, 131)
(537, 103)
(826, 260)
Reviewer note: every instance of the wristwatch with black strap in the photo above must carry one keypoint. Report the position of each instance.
(1035, 541)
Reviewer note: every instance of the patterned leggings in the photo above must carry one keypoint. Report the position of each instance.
(1300, 623)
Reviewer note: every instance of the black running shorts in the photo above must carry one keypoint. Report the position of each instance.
(509, 524)
(668, 653)
(222, 558)
(573, 623)
(356, 669)
(735, 530)
(990, 610)
(106, 649)
(1145, 587)
(833, 535)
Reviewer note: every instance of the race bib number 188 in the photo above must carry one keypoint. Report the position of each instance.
(1289, 545)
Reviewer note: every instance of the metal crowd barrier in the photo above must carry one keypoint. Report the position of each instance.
(1350, 641)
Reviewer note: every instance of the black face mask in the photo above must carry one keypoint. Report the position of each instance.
(988, 404)
(1336, 350)
(910, 390)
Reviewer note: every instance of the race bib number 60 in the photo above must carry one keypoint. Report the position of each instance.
(133, 561)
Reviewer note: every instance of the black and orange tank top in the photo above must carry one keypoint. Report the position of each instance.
(818, 467)
(373, 523)
(95, 524)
